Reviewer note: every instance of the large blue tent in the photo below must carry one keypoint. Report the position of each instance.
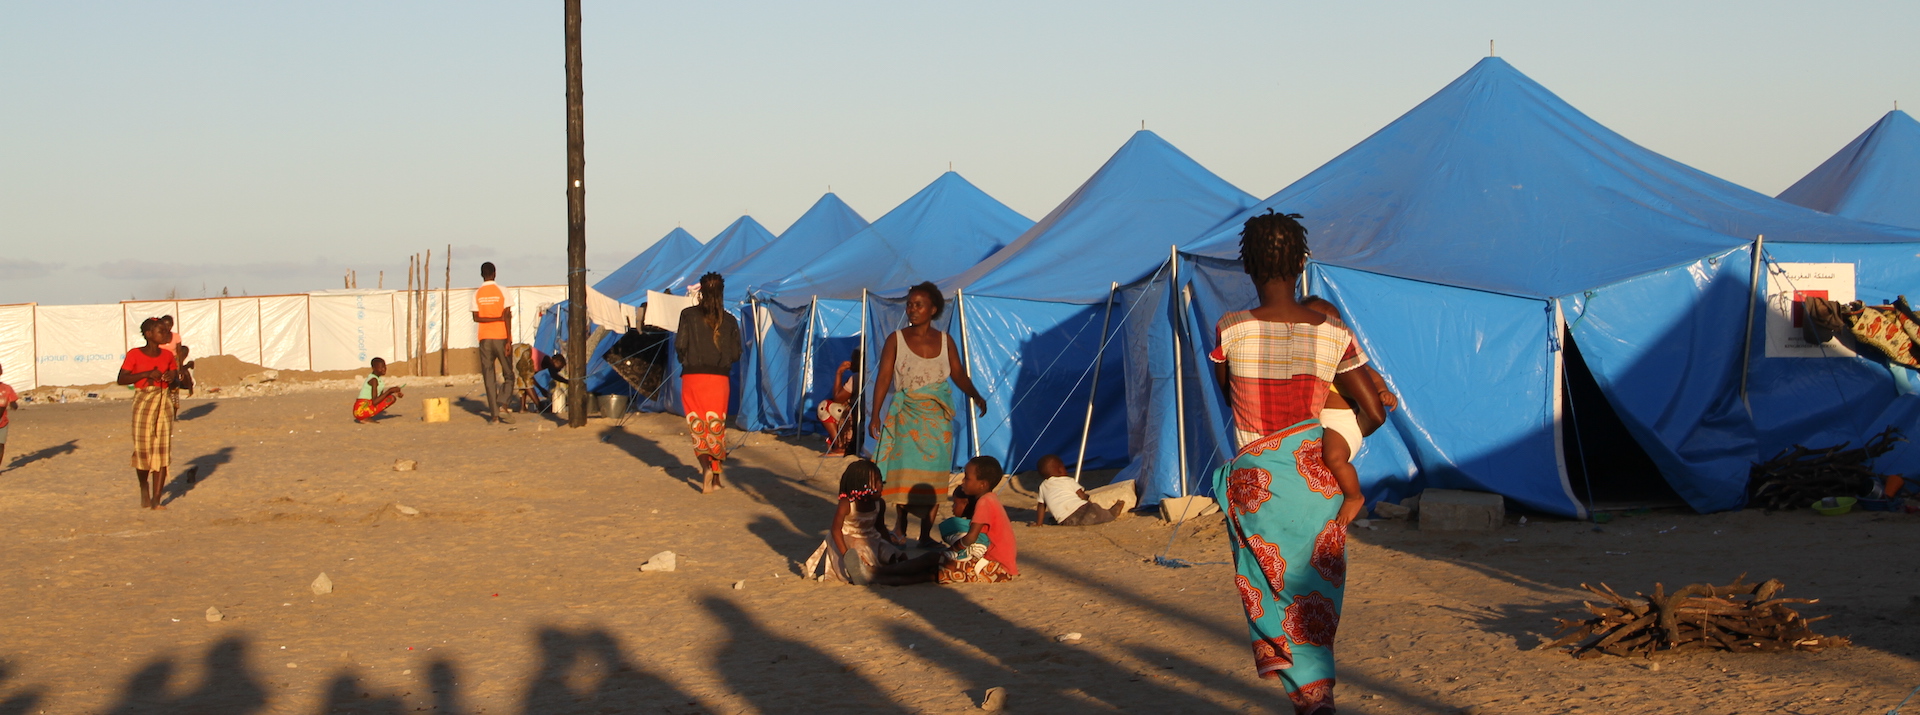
(768, 385)
(1874, 178)
(944, 229)
(1836, 395)
(672, 249)
(738, 240)
(1037, 312)
(1464, 242)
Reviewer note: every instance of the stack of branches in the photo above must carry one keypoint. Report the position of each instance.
(1738, 617)
(1798, 477)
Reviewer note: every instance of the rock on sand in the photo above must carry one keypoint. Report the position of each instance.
(663, 561)
(322, 585)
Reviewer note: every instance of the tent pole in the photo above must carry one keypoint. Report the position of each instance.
(759, 347)
(1179, 369)
(1753, 297)
(866, 395)
(806, 362)
(1086, 426)
(966, 361)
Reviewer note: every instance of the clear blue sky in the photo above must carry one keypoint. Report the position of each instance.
(269, 147)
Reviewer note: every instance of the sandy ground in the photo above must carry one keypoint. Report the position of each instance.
(515, 589)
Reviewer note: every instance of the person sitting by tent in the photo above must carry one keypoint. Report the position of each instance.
(838, 413)
(526, 364)
(988, 524)
(858, 548)
(375, 397)
(1061, 496)
(557, 393)
(1337, 415)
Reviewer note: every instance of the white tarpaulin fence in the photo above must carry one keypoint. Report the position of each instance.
(54, 345)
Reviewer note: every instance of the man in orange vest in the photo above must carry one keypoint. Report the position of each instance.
(495, 318)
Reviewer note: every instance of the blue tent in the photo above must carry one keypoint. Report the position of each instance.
(738, 240)
(769, 379)
(1464, 242)
(1875, 178)
(1840, 396)
(672, 249)
(944, 229)
(1035, 311)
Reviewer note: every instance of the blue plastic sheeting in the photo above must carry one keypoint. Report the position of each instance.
(1116, 228)
(1448, 238)
(1665, 350)
(771, 368)
(773, 364)
(944, 229)
(1033, 362)
(549, 336)
(1875, 178)
(676, 247)
(1035, 308)
(737, 241)
(1822, 402)
(1496, 184)
(1155, 350)
(823, 227)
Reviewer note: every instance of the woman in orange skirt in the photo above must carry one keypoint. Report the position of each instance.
(708, 344)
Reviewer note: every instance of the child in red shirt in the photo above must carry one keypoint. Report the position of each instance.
(151, 370)
(983, 475)
(9, 401)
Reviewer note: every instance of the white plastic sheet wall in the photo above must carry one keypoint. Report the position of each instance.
(350, 329)
(239, 329)
(330, 330)
(17, 366)
(79, 344)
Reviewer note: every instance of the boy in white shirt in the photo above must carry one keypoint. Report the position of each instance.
(1062, 497)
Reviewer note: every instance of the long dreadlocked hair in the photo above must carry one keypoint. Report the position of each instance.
(713, 290)
(1273, 245)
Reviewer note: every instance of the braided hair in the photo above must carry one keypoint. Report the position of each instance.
(1273, 245)
(713, 290)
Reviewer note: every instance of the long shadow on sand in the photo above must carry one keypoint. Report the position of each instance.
(197, 470)
(753, 653)
(650, 453)
(21, 702)
(197, 411)
(44, 453)
(585, 672)
(229, 687)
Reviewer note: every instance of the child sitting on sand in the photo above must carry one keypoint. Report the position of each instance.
(1062, 497)
(859, 549)
(375, 397)
(987, 524)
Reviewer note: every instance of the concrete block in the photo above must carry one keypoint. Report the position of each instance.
(1121, 492)
(1179, 509)
(1459, 510)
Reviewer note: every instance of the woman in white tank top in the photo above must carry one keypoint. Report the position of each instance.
(913, 412)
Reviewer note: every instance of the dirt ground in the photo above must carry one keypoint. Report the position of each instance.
(515, 588)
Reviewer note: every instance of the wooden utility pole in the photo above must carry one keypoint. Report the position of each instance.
(446, 311)
(576, 227)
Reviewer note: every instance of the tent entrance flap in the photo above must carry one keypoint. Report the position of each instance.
(1605, 466)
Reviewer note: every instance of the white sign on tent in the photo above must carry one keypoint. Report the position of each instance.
(1788, 287)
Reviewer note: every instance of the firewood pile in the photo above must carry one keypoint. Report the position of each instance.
(1738, 617)
(1798, 477)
